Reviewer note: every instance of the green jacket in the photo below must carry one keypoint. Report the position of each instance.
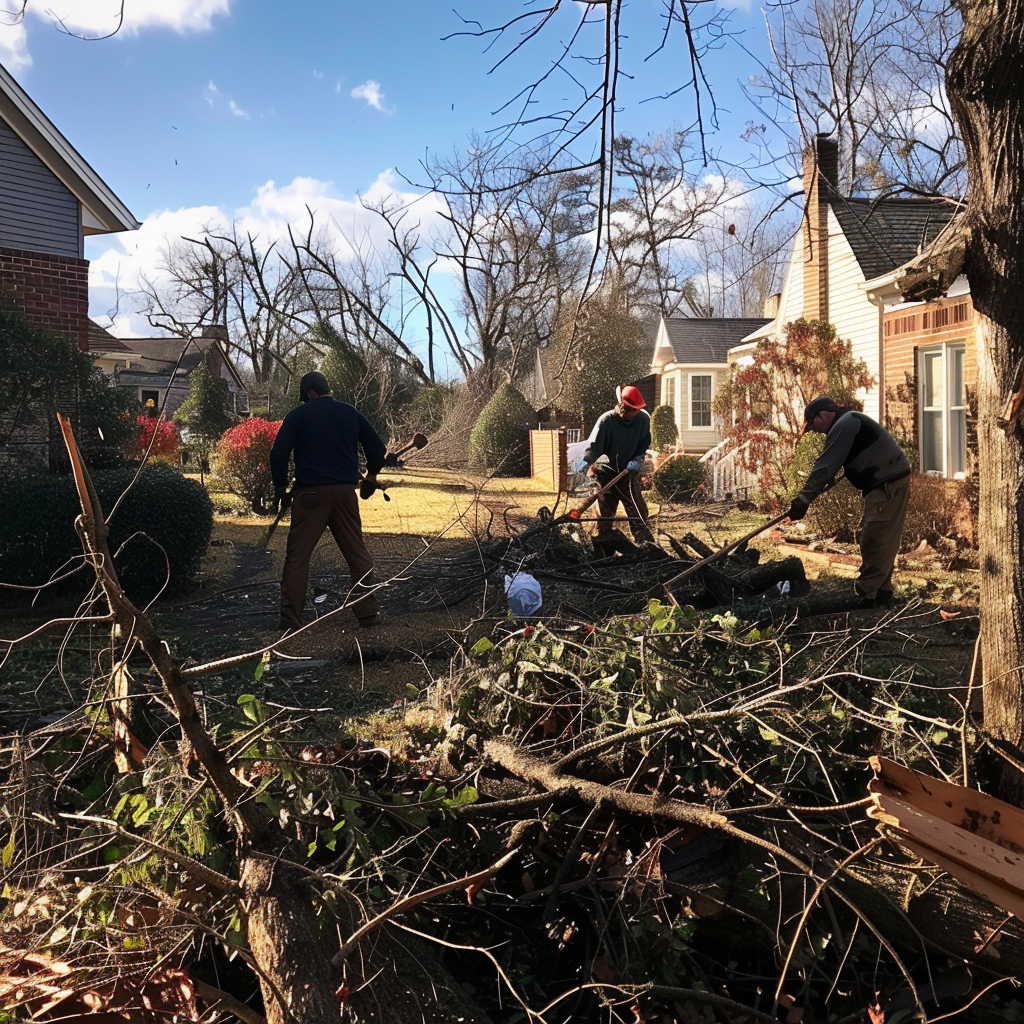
(622, 442)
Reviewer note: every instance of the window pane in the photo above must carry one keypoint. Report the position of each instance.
(700, 400)
(957, 388)
(958, 443)
(931, 380)
(931, 442)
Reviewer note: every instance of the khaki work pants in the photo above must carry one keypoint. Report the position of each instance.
(881, 530)
(315, 509)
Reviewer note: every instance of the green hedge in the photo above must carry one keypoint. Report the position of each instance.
(678, 478)
(664, 433)
(162, 510)
(500, 439)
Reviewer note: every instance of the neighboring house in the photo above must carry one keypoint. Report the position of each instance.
(843, 243)
(50, 200)
(157, 369)
(110, 354)
(690, 360)
(930, 368)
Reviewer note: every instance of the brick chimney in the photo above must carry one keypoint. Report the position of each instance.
(821, 172)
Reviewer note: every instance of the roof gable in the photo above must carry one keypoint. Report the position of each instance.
(704, 340)
(886, 233)
(102, 211)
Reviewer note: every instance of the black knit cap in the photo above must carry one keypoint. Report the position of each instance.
(315, 380)
(823, 404)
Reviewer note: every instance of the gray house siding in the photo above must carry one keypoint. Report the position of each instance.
(37, 211)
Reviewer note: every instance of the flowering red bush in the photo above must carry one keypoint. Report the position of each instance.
(166, 448)
(242, 462)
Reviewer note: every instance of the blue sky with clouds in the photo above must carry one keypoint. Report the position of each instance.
(207, 111)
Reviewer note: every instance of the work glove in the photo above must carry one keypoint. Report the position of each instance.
(367, 487)
(282, 500)
(798, 509)
(635, 465)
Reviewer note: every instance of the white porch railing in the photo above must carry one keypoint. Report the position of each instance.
(730, 479)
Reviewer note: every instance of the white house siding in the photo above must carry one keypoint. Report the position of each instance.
(37, 211)
(854, 316)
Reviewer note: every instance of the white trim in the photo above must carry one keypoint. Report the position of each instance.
(954, 464)
(102, 211)
(710, 426)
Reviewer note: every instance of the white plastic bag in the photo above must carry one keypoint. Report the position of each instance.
(523, 593)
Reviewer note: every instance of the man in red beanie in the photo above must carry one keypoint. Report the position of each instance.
(623, 435)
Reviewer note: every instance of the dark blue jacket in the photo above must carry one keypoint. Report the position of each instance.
(325, 436)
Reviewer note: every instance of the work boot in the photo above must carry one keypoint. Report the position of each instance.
(369, 621)
(883, 599)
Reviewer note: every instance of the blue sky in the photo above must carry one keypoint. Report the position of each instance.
(208, 111)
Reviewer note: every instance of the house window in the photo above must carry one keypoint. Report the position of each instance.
(943, 398)
(700, 400)
(146, 396)
(669, 397)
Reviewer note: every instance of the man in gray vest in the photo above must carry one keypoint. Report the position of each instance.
(875, 464)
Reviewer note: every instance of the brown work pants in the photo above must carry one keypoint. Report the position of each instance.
(881, 530)
(315, 509)
(628, 492)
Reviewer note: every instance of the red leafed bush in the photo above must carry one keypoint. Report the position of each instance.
(166, 448)
(242, 462)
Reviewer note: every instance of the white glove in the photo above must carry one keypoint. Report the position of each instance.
(635, 465)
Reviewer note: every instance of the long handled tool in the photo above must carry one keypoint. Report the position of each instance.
(283, 507)
(720, 553)
(575, 513)
(393, 459)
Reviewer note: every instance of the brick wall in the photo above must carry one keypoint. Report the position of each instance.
(52, 291)
(821, 172)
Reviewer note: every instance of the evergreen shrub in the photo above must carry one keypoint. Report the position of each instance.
(158, 534)
(678, 478)
(664, 433)
(242, 462)
(500, 439)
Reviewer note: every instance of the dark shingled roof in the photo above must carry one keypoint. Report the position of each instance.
(700, 339)
(885, 233)
(101, 340)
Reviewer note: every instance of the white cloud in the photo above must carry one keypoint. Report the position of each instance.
(119, 262)
(370, 91)
(97, 17)
(14, 53)
(216, 100)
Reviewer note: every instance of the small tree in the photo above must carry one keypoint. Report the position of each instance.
(242, 462)
(765, 401)
(500, 439)
(206, 413)
(664, 432)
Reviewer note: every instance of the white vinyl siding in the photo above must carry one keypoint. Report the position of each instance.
(37, 211)
(943, 403)
(854, 317)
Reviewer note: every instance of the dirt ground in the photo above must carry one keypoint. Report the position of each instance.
(423, 541)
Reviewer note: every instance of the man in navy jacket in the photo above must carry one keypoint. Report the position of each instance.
(324, 436)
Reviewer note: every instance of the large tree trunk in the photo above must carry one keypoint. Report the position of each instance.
(985, 82)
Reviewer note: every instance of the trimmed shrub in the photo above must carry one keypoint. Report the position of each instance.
(166, 448)
(158, 534)
(500, 439)
(678, 478)
(664, 432)
(242, 462)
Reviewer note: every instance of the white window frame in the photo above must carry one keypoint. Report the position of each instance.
(710, 426)
(950, 405)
